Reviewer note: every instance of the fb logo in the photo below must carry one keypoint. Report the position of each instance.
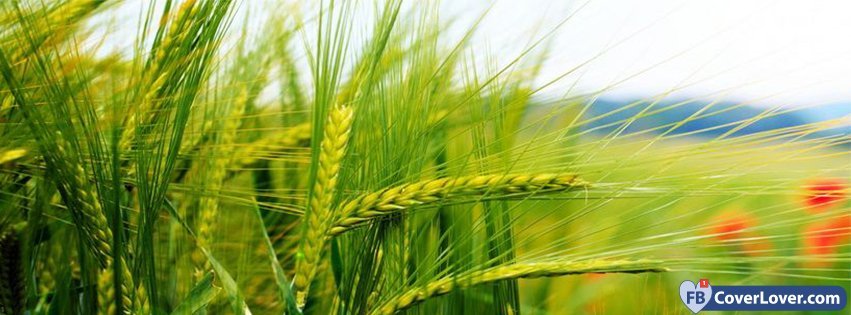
(695, 296)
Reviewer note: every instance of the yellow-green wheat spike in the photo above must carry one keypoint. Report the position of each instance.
(208, 205)
(106, 289)
(160, 73)
(319, 217)
(399, 198)
(513, 271)
(101, 237)
(58, 24)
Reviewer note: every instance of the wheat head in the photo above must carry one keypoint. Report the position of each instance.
(319, 217)
(56, 25)
(106, 290)
(208, 205)
(513, 271)
(159, 73)
(73, 11)
(400, 198)
(99, 232)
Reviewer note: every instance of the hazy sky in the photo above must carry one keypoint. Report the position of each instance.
(771, 52)
(795, 52)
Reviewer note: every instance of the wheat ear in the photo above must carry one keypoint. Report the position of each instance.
(142, 304)
(160, 73)
(208, 205)
(146, 107)
(94, 221)
(73, 11)
(400, 198)
(57, 23)
(513, 271)
(106, 289)
(179, 30)
(319, 218)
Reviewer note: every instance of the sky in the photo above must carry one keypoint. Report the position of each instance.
(796, 53)
(789, 53)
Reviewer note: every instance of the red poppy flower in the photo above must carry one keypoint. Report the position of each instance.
(731, 227)
(823, 194)
(826, 238)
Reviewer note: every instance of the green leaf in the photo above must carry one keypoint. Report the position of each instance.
(280, 276)
(237, 301)
(235, 297)
(199, 297)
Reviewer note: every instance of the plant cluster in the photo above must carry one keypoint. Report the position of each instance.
(290, 164)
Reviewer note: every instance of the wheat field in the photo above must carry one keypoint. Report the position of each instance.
(309, 158)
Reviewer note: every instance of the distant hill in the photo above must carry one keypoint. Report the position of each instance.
(708, 119)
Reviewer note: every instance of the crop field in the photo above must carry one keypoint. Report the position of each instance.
(366, 157)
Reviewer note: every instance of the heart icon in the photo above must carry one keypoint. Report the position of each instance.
(695, 298)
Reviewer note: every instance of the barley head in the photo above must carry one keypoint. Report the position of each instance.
(208, 206)
(400, 198)
(513, 271)
(319, 217)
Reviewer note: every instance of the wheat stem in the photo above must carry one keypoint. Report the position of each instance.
(513, 271)
(400, 198)
(318, 218)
